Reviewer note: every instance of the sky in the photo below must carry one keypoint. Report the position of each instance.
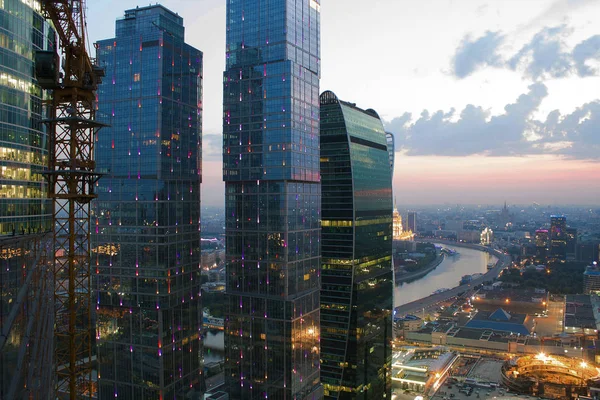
(488, 100)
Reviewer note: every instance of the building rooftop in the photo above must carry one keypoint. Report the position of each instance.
(501, 320)
(513, 294)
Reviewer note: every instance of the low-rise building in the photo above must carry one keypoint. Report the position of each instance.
(528, 301)
(591, 279)
(579, 314)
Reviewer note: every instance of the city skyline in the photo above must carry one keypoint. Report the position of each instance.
(428, 71)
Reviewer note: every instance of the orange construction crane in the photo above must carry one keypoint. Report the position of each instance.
(72, 177)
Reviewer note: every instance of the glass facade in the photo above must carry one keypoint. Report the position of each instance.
(146, 242)
(26, 310)
(272, 199)
(24, 203)
(356, 270)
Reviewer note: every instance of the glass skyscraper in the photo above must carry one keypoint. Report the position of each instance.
(24, 203)
(273, 195)
(146, 242)
(357, 281)
(26, 291)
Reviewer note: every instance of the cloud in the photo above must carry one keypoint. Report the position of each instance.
(212, 147)
(515, 132)
(544, 56)
(559, 9)
(472, 54)
(588, 50)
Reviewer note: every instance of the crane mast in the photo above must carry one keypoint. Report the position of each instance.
(72, 177)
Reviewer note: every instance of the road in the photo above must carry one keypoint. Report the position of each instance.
(417, 305)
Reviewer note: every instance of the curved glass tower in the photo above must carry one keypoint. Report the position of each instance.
(272, 199)
(357, 280)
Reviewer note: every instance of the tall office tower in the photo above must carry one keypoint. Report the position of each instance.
(411, 222)
(147, 215)
(542, 242)
(357, 282)
(26, 291)
(272, 199)
(558, 237)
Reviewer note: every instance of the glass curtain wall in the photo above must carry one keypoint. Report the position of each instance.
(357, 278)
(146, 243)
(272, 205)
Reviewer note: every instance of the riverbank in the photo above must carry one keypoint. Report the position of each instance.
(411, 276)
(416, 299)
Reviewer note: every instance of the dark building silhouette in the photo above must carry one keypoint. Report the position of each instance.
(558, 237)
(146, 241)
(542, 242)
(272, 199)
(411, 221)
(571, 251)
(357, 281)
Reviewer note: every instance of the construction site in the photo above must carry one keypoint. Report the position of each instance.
(46, 343)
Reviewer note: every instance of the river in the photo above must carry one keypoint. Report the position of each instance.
(446, 275)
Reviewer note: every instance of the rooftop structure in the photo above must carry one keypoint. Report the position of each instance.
(551, 377)
(579, 314)
(591, 279)
(414, 368)
(501, 321)
(521, 300)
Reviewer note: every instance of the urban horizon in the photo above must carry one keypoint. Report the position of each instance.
(522, 67)
(391, 207)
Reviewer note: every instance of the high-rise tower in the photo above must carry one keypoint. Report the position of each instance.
(558, 237)
(272, 199)
(147, 216)
(26, 290)
(357, 281)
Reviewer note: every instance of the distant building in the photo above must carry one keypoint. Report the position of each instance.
(455, 225)
(356, 270)
(468, 236)
(525, 300)
(571, 244)
(501, 321)
(558, 237)
(579, 314)
(591, 279)
(397, 220)
(505, 217)
(542, 241)
(588, 251)
(411, 222)
(487, 237)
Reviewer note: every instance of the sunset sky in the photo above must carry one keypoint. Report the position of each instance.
(489, 100)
